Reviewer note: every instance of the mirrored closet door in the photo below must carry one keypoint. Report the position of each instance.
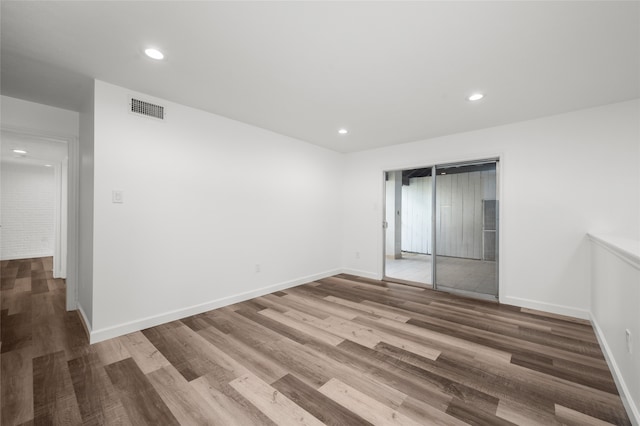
(441, 227)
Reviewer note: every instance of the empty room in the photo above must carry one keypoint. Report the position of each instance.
(340, 213)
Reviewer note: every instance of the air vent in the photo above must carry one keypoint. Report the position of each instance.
(147, 109)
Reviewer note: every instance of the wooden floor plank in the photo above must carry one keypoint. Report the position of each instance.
(272, 403)
(230, 407)
(251, 359)
(16, 390)
(366, 407)
(576, 418)
(426, 413)
(97, 399)
(54, 399)
(141, 401)
(186, 404)
(323, 408)
(340, 350)
(329, 338)
(112, 350)
(143, 352)
(17, 330)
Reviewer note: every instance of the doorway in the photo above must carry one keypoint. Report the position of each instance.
(38, 202)
(441, 227)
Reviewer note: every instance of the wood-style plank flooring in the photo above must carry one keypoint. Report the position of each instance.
(339, 351)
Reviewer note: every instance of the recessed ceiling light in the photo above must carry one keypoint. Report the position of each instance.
(343, 131)
(443, 173)
(48, 165)
(154, 53)
(476, 97)
(19, 151)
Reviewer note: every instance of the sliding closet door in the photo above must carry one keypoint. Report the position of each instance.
(466, 224)
(408, 225)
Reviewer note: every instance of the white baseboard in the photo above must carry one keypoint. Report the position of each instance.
(363, 274)
(623, 390)
(142, 323)
(547, 307)
(85, 321)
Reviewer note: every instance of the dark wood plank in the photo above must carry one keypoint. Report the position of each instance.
(97, 399)
(179, 349)
(229, 404)
(7, 283)
(418, 382)
(474, 416)
(141, 401)
(325, 409)
(16, 330)
(39, 286)
(583, 376)
(284, 330)
(24, 270)
(17, 386)
(54, 399)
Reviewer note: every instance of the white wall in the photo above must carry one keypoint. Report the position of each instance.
(205, 200)
(37, 118)
(85, 208)
(615, 299)
(27, 211)
(560, 177)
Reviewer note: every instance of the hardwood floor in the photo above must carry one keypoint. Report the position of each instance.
(339, 351)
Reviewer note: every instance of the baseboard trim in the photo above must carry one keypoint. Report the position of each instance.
(547, 307)
(623, 390)
(363, 274)
(140, 324)
(85, 321)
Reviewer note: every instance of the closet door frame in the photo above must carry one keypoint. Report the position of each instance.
(434, 174)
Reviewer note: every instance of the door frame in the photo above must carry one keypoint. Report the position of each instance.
(480, 159)
(72, 205)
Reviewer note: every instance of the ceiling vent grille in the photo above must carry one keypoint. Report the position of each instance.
(147, 109)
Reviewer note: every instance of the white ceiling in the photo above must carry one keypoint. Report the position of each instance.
(40, 151)
(390, 72)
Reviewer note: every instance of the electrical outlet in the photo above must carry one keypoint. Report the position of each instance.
(357, 255)
(627, 334)
(257, 267)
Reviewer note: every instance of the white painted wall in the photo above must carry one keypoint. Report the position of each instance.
(205, 200)
(18, 114)
(560, 177)
(85, 208)
(615, 302)
(27, 211)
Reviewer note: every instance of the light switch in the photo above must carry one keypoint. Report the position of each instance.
(117, 197)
